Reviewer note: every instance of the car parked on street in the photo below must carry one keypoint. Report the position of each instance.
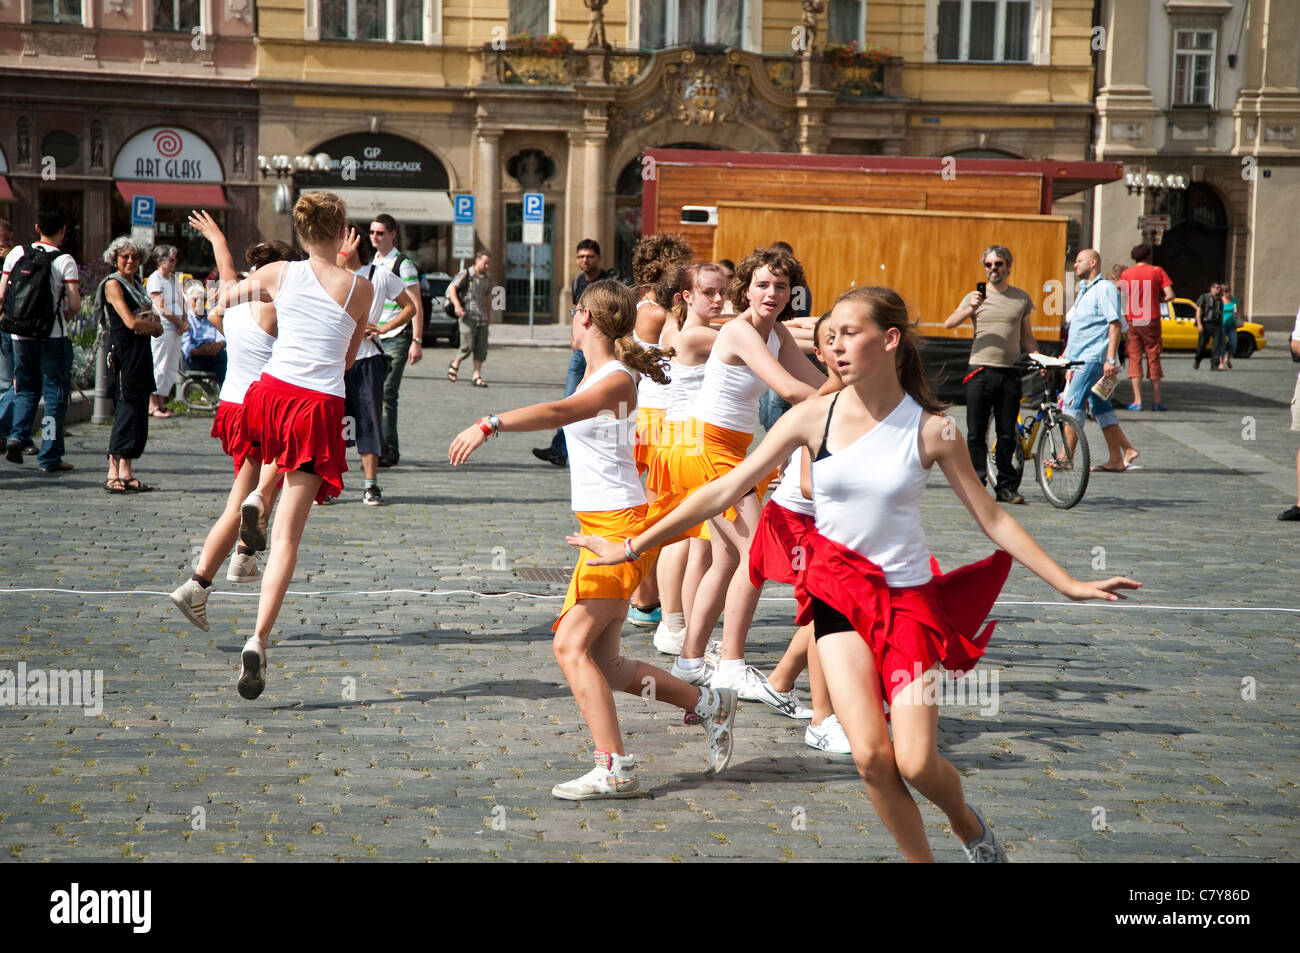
(1178, 331)
(433, 293)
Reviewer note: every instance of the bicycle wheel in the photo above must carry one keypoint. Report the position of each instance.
(198, 395)
(1062, 474)
(1017, 455)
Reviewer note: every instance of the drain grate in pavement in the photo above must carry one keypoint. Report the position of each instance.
(537, 574)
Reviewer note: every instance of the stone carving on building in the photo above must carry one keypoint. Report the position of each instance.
(241, 10)
(24, 141)
(238, 139)
(1127, 131)
(174, 50)
(121, 8)
(1279, 133)
(81, 43)
(596, 29)
(531, 168)
(96, 144)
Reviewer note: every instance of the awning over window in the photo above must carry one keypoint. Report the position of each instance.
(176, 194)
(408, 206)
(6, 193)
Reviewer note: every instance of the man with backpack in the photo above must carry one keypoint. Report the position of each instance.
(401, 329)
(39, 289)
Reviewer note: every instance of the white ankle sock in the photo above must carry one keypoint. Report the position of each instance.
(731, 666)
(690, 664)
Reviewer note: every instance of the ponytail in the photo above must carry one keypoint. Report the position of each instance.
(888, 310)
(651, 361)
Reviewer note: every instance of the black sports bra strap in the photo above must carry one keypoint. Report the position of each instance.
(823, 453)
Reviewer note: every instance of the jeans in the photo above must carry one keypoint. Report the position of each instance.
(577, 368)
(1079, 392)
(1210, 338)
(42, 367)
(6, 383)
(994, 391)
(214, 364)
(398, 348)
(770, 408)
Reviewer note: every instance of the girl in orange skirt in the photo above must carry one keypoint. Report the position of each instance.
(294, 411)
(883, 621)
(599, 423)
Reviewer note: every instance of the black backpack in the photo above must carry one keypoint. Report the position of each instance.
(30, 308)
(460, 280)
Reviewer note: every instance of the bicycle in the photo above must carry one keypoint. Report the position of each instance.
(198, 390)
(1045, 437)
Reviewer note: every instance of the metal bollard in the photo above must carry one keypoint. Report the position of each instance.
(102, 412)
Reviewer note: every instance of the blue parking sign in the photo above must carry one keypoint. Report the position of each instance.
(464, 210)
(142, 211)
(533, 208)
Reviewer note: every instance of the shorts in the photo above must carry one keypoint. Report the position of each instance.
(777, 550)
(1145, 341)
(705, 452)
(228, 427)
(607, 582)
(363, 402)
(298, 429)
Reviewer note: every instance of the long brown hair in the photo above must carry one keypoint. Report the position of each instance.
(613, 310)
(776, 260)
(690, 277)
(888, 310)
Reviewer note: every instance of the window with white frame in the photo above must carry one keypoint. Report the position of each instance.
(56, 11)
(666, 23)
(391, 21)
(985, 31)
(180, 16)
(846, 22)
(530, 16)
(1194, 67)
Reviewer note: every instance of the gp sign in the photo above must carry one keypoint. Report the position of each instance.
(142, 208)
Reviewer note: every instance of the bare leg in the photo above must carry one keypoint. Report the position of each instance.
(1137, 389)
(286, 534)
(730, 544)
(370, 465)
(225, 531)
(1155, 387)
(821, 696)
(697, 564)
(1115, 441)
(671, 573)
(794, 661)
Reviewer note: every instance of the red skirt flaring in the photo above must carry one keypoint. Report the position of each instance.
(298, 428)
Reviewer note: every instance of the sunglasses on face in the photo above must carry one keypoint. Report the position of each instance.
(995, 264)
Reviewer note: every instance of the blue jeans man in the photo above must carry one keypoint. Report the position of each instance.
(42, 368)
(558, 452)
(6, 383)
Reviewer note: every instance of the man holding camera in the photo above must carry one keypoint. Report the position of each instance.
(1003, 335)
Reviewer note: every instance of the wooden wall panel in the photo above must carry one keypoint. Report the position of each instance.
(930, 258)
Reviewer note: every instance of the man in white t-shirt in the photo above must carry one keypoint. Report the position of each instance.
(43, 365)
(401, 327)
(1293, 514)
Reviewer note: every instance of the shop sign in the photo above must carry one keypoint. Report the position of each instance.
(375, 160)
(167, 154)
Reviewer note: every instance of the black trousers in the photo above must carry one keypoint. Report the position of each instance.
(1212, 339)
(130, 428)
(994, 391)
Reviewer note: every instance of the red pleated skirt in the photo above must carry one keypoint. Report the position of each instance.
(228, 427)
(298, 429)
(777, 550)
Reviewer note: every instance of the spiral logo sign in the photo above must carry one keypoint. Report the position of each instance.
(168, 142)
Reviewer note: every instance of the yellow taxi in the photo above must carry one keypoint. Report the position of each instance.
(1178, 331)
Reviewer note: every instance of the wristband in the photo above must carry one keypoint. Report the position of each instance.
(486, 427)
(628, 555)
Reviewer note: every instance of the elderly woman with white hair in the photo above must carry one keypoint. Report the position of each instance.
(124, 307)
(164, 288)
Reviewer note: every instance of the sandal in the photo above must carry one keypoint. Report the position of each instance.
(1101, 468)
(451, 372)
(114, 485)
(135, 486)
(479, 382)
(162, 414)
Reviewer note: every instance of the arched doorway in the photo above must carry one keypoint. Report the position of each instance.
(627, 207)
(1195, 247)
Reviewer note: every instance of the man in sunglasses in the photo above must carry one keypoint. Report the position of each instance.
(1003, 335)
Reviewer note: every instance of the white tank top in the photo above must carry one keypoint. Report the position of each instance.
(788, 492)
(648, 393)
(867, 497)
(312, 332)
(683, 390)
(602, 461)
(729, 395)
(248, 348)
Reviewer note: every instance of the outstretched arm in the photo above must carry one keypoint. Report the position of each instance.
(205, 225)
(714, 497)
(939, 444)
(256, 287)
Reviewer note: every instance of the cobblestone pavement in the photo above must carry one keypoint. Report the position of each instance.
(402, 722)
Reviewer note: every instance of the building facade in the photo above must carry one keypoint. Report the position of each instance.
(1206, 90)
(416, 100)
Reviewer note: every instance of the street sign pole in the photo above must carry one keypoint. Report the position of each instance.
(532, 275)
(534, 228)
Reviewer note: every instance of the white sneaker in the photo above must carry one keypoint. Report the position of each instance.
(718, 710)
(192, 599)
(613, 776)
(751, 686)
(243, 568)
(713, 652)
(699, 676)
(669, 642)
(829, 736)
(252, 521)
(252, 677)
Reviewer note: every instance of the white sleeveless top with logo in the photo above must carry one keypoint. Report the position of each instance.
(788, 492)
(248, 348)
(602, 461)
(729, 395)
(867, 497)
(312, 332)
(648, 393)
